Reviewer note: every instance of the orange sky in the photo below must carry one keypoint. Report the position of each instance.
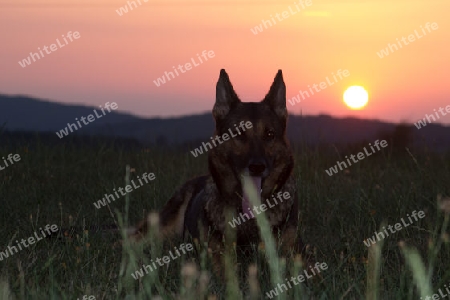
(117, 58)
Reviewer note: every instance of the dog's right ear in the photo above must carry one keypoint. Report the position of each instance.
(276, 98)
(226, 97)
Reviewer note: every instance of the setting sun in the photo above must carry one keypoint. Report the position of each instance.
(356, 97)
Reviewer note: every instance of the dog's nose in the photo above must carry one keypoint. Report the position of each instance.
(256, 168)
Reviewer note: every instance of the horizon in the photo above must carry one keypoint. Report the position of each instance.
(168, 117)
(208, 112)
(120, 58)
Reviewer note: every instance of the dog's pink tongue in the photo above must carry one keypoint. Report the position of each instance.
(256, 186)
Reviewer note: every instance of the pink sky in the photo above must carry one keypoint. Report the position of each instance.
(117, 58)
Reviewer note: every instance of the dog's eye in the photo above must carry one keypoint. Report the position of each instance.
(270, 135)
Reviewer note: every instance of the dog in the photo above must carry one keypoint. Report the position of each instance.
(262, 153)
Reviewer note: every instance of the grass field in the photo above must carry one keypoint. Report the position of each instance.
(58, 185)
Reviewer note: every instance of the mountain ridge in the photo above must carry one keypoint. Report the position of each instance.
(24, 113)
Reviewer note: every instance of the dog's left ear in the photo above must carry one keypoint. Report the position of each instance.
(276, 97)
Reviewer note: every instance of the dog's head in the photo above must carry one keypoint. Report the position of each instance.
(262, 151)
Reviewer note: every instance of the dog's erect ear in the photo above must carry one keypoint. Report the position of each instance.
(226, 97)
(276, 97)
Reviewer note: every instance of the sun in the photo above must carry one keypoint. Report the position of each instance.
(356, 97)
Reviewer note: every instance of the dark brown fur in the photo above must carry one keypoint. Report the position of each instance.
(200, 205)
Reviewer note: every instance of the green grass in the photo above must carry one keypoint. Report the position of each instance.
(58, 185)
